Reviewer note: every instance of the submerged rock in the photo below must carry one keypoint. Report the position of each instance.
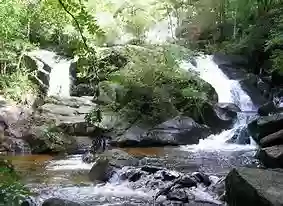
(245, 186)
(271, 157)
(59, 202)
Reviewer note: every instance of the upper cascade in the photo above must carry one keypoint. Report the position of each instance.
(59, 75)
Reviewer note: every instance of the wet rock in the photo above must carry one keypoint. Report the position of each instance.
(231, 60)
(136, 176)
(264, 88)
(101, 170)
(28, 202)
(120, 158)
(187, 181)
(46, 140)
(131, 137)
(272, 139)
(151, 169)
(266, 125)
(230, 108)
(267, 108)
(88, 157)
(233, 72)
(271, 157)
(69, 115)
(178, 131)
(246, 186)
(168, 176)
(219, 116)
(250, 85)
(59, 202)
(276, 78)
(82, 90)
(202, 178)
(16, 146)
(241, 136)
(178, 194)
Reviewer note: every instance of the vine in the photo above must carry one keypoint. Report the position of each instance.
(89, 22)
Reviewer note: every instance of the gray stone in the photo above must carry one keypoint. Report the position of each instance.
(101, 170)
(266, 125)
(178, 131)
(247, 187)
(59, 202)
(271, 157)
(219, 116)
(267, 108)
(272, 139)
(120, 158)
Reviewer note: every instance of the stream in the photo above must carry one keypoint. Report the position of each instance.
(66, 176)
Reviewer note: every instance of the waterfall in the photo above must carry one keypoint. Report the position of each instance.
(229, 91)
(58, 71)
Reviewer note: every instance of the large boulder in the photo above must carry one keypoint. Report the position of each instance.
(271, 157)
(266, 109)
(266, 125)
(177, 131)
(272, 139)
(276, 78)
(230, 60)
(219, 116)
(59, 202)
(120, 158)
(69, 114)
(245, 186)
(101, 170)
(44, 139)
(82, 90)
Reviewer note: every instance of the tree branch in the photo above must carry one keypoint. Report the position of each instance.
(77, 24)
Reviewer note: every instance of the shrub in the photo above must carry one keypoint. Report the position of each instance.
(12, 192)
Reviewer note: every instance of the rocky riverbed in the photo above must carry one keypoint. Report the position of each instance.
(180, 161)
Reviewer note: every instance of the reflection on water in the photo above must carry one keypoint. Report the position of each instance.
(150, 151)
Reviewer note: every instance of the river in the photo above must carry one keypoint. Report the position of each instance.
(66, 176)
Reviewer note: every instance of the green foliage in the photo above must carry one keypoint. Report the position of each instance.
(12, 192)
(151, 86)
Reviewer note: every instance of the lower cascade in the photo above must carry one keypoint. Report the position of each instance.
(229, 91)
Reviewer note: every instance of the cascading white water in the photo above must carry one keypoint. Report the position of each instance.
(59, 83)
(59, 77)
(229, 91)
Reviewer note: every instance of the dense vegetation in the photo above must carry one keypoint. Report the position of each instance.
(12, 192)
(137, 79)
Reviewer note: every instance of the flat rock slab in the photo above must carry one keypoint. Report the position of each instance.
(272, 139)
(254, 187)
(271, 157)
